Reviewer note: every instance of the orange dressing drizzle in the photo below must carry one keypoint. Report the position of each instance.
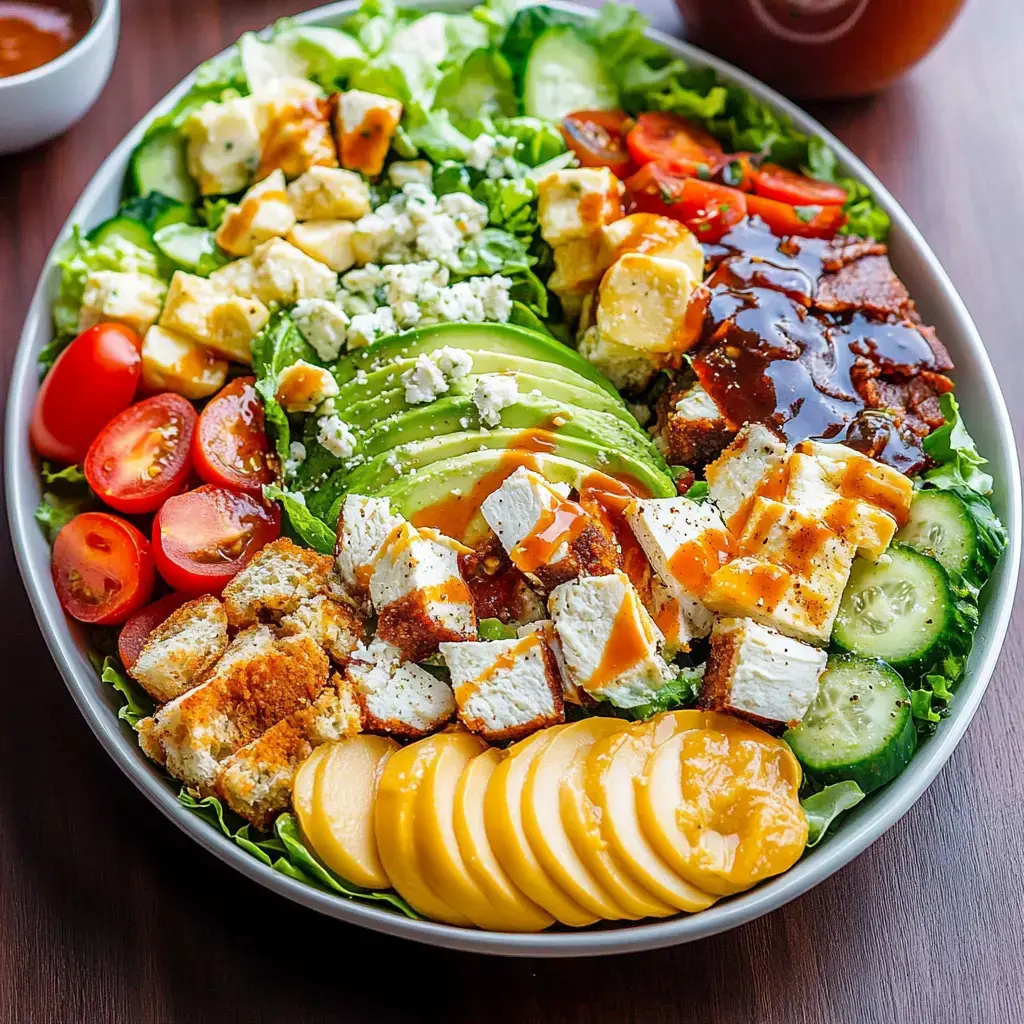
(297, 137)
(869, 481)
(761, 585)
(695, 561)
(627, 645)
(773, 484)
(605, 499)
(502, 663)
(367, 145)
(558, 525)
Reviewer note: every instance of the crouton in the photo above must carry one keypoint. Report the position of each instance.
(256, 781)
(333, 625)
(275, 583)
(395, 696)
(690, 430)
(261, 679)
(181, 649)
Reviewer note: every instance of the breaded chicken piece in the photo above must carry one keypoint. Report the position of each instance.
(256, 781)
(275, 582)
(332, 624)
(261, 679)
(181, 649)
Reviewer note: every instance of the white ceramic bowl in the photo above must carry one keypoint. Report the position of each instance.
(39, 104)
(982, 404)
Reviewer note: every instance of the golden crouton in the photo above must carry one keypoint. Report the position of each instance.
(333, 625)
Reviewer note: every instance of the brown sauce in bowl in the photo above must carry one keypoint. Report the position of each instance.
(33, 33)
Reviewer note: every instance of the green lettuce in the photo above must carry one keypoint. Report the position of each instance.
(65, 495)
(681, 692)
(494, 629)
(136, 703)
(824, 808)
(305, 526)
(959, 462)
(538, 141)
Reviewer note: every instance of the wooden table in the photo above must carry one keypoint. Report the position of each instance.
(108, 913)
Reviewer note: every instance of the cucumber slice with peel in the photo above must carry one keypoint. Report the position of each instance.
(859, 727)
(565, 73)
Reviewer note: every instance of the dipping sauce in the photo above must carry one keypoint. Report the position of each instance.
(34, 33)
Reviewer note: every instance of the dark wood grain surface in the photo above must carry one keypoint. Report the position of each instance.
(108, 913)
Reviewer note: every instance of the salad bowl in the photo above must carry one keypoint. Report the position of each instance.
(979, 395)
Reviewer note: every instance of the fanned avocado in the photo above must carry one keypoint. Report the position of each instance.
(386, 467)
(503, 339)
(448, 494)
(393, 402)
(390, 376)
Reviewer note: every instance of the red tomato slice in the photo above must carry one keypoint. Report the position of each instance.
(806, 221)
(135, 632)
(203, 538)
(230, 446)
(102, 568)
(143, 455)
(93, 379)
(786, 186)
(709, 210)
(598, 138)
(668, 137)
(738, 171)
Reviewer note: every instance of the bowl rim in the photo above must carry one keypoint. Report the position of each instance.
(21, 481)
(107, 12)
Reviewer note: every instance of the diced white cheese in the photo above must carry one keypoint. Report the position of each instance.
(336, 436)
(122, 297)
(302, 386)
(323, 324)
(494, 392)
(283, 273)
(759, 674)
(223, 145)
(265, 212)
(505, 689)
(735, 476)
(363, 527)
(329, 193)
(610, 644)
(174, 362)
(577, 202)
(327, 241)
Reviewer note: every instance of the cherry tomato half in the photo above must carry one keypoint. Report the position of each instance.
(135, 632)
(709, 210)
(93, 379)
(205, 537)
(102, 568)
(598, 138)
(143, 455)
(806, 221)
(671, 138)
(230, 446)
(786, 186)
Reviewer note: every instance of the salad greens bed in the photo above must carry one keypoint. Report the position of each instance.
(460, 77)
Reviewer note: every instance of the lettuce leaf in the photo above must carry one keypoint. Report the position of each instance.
(494, 629)
(681, 692)
(494, 251)
(307, 527)
(65, 496)
(538, 141)
(137, 704)
(824, 808)
(956, 453)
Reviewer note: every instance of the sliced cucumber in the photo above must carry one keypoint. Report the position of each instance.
(123, 228)
(190, 247)
(158, 165)
(904, 610)
(959, 529)
(859, 727)
(565, 73)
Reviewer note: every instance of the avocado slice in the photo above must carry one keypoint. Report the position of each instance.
(415, 456)
(366, 413)
(504, 339)
(448, 493)
(390, 376)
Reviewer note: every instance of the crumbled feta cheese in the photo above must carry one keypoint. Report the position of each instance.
(481, 150)
(365, 328)
(336, 436)
(454, 363)
(494, 392)
(296, 457)
(424, 382)
(470, 217)
(323, 324)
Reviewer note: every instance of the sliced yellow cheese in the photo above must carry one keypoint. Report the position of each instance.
(519, 912)
(302, 790)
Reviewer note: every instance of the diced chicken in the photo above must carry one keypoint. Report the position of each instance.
(548, 537)
(395, 696)
(260, 680)
(329, 193)
(256, 781)
(751, 465)
(276, 582)
(505, 689)
(277, 271)
(364, 525)
(686, 543)
(265, 212)
(579, 266)
(691, 430)
(332, 624)
(610, 645)
(181, 649)
(653, 235)
(225, 323)
(760, 675)
(174, 362)
(365, 124)
(571, 693)
(295, 128)
(327, 241)
(123, 297)
(418, 592)
(302, 386)
(576, 203)
(223, 145)
(789, 573)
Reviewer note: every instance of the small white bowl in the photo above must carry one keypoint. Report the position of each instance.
(41, 103)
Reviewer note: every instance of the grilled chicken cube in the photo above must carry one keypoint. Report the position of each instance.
(759, 674)
(295, 128)
(575, 203)
(653, 235)
(691, 431)
(331, 623)
(365, 124)
(123, 297)
(265, 212)
(223, 145)
(301, 387)
(277, 271)
(755, 460)
(505, 689)
(172, 361)
(329, 193)
(611, 647)
(364, 525)
(326, 241)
